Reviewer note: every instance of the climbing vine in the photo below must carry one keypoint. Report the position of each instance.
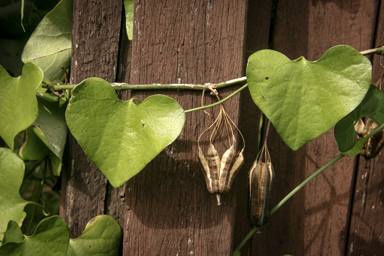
(302, 99)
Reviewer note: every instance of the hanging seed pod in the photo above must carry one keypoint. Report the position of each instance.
(206, 172)
(214, 167)
(234, 170)
(373, 145)
(261, 179)
(219, 174)
(359, 128)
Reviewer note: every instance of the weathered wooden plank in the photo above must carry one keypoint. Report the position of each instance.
(258, 26)
(96, 28)
(314, 221)
(367, 217)
(169, 210)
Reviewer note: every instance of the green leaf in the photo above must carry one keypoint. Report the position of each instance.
(18, 108)
(52, 126)
(129, 11)
(13, 233)
(236, 253)
(50, 45)
(304, 99)
(11, 177)
(101, 236)
(51, 237)
(373, 107)
(33, 148)
(55, 164)
(121, 138)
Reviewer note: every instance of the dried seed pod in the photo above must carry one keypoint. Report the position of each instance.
(375, 144)
(206, 172)
(238, 163)
(226, 163)
(214, 167)
(219, 174)
(359, 127)
(261, 179)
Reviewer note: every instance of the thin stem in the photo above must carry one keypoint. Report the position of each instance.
(125, 86)
(199, 87)
(285, 199)
(219, 102)
(378, 50)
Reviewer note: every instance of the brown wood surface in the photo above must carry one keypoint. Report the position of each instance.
(169, 210)
(367, 217)
(315, 221)
(96, 28)
(166, 209)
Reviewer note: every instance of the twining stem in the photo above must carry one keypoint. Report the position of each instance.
(125, 86)
(378, 50)
(219, 102)
(285, 199)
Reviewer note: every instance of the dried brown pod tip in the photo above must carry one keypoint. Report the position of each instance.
(374, 144)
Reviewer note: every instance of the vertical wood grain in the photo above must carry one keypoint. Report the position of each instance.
(315, 221)
(367, 217)
(169, 210)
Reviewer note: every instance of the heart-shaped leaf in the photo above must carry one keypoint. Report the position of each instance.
(101, 236)
(11, 177)
(51, 237)
(373, 107)
(50, 45)
(304, 99)
(18, 108)
(120, 137)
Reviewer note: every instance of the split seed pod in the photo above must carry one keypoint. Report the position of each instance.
(261, 179)
(373, 145)
(220, 173)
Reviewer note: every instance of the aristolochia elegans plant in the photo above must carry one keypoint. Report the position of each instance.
(292, 94)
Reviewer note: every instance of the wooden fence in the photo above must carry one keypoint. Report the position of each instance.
(166, 209)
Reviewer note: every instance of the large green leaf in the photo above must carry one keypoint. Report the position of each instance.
(101, 236)
(373, 107)
(18, 108)
(50, 45)
(11, 177)
(304, 99)
(121, 138)
(51, 237)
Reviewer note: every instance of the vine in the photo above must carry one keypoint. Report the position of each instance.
(293, 94)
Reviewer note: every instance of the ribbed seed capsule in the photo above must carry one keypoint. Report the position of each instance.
(206, 172)
(225, 165)
(373, 145)
(234, 170)
(261, 179)
(214, 166)
(219, 174)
